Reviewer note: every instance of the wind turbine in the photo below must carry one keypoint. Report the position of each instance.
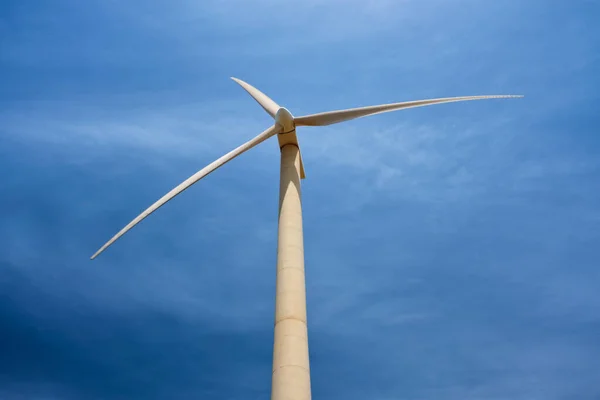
(291, 373)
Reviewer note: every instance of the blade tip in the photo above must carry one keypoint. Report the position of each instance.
(96, 254)
(508, 96)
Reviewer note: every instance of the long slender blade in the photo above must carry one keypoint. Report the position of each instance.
(265, 101)
(333, 117)
(275, 129)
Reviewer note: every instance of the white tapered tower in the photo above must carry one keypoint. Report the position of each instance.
(291, 371)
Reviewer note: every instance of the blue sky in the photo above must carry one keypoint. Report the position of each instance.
(451, 251)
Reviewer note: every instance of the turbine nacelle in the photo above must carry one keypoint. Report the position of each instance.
(285, 120)
(287, 136)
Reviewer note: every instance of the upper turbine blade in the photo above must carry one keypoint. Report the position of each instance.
(275, 129)
(265, 101)
(333, 117)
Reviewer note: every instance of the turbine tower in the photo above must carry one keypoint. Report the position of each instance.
(291, 372)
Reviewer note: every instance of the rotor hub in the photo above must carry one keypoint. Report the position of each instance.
(285, 119)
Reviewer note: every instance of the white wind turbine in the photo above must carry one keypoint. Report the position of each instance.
(291, 373)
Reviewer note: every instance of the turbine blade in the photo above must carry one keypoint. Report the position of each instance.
(275, 129)
(333, 117)
(265, 101)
